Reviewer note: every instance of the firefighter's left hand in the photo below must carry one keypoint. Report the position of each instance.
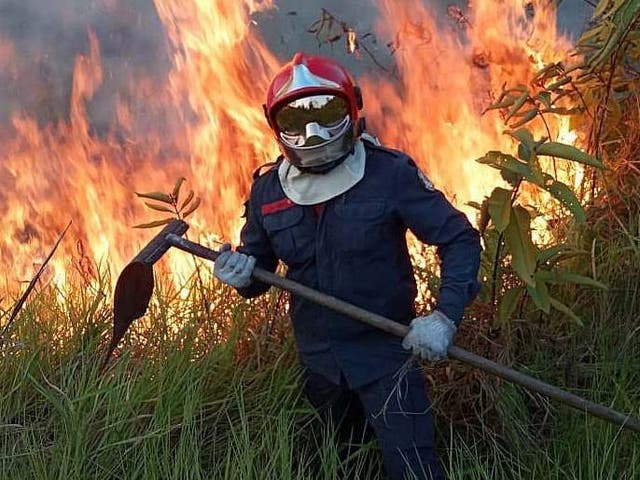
(430, 337)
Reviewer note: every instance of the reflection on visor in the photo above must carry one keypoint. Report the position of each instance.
(326, 110)
(315, 134)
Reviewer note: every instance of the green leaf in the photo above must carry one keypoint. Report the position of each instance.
(526, 117)
(601, 7)
(564, 277)
(523, 136)
(505, 102)
(548, 253)
(192, 208)
(503, 161)
(157, 223)
(524, 152)
(511, 178)
(158, 196)
(561, 307)
(569, 152)
(564, 195)
(546, 70)
(176, 189)
(559, 83)
(187, 200)
(508, 304)
(520, 101)
(540, 294)
(545, 98)
(512, 168)
(565, 111)
(518, 240)
(500, 208)
(159, 208)
(553, 258)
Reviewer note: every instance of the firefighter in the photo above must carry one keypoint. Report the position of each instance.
(335, 208)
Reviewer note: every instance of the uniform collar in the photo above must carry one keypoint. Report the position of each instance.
(310, 189)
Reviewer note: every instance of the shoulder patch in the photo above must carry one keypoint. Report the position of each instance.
(425, 180)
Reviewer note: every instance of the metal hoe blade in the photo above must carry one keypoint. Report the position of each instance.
(133, 292)
(135, 284)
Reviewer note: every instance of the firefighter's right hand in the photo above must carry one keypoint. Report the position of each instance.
(430, 337)
(234, 268)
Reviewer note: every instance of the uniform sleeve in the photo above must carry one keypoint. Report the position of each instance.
(254, 241)
(434, 221)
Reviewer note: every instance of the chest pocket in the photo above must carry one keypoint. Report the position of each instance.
(362, 226)
(291, 239)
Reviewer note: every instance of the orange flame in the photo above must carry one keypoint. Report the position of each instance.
(445, 83)
(352, 41)
(221, 69)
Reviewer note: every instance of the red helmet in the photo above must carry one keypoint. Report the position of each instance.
(312, 107)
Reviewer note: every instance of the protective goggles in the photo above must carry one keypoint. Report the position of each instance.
(320, 117)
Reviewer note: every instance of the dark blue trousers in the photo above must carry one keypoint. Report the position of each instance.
(394, 408)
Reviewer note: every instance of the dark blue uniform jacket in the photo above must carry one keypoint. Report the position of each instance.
(355, 249)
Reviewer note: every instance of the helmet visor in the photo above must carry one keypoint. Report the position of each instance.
(327, 111)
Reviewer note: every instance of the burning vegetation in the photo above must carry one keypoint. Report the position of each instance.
(216, 135)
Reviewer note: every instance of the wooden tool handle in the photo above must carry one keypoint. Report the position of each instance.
(401, 330)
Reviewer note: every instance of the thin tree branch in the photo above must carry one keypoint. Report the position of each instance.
(32, 284)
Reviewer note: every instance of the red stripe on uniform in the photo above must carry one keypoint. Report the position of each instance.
(276, 206)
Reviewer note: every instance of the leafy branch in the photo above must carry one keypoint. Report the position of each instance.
(510, 222)
(598, 86)
(601, 84)
(552, 91)
(179, 208)
(170, 203)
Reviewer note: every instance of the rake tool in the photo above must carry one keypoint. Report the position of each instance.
(135, 286)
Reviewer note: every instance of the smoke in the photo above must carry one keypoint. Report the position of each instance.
(39, 42)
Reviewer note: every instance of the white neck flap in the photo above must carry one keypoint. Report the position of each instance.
(313, 188)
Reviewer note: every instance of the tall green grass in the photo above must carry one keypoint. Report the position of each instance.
(208, 387)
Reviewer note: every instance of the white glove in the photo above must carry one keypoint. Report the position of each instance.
(430, 337)
(234, 268)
